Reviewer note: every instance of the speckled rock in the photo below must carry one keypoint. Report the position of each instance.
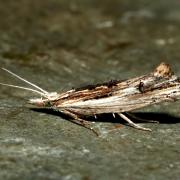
(63, 44)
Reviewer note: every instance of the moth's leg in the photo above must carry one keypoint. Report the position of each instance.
(114, 116)
(133, 124)
(141, 119)
(80, 121)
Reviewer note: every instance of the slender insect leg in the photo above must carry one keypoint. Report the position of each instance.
(141, 119)
(114, 116)
(133, 124)
(80, 121)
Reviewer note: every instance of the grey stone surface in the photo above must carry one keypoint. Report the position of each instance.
(60, 44)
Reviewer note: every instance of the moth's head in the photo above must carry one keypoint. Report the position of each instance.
(45, 101)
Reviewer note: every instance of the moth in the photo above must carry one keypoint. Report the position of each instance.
(116, 97)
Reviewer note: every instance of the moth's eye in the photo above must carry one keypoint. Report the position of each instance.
(48, 104)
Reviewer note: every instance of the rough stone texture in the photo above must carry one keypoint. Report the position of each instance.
(60, 44)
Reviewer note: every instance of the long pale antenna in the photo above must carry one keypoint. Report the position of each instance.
(42, 90)
(20, 87)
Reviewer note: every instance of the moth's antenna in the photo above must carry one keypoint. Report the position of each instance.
(29, 89)
(42, 90)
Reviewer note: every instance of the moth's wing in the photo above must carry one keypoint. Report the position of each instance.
(116, 104)
(106, 105)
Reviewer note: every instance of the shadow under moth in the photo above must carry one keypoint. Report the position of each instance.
(116, 97)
